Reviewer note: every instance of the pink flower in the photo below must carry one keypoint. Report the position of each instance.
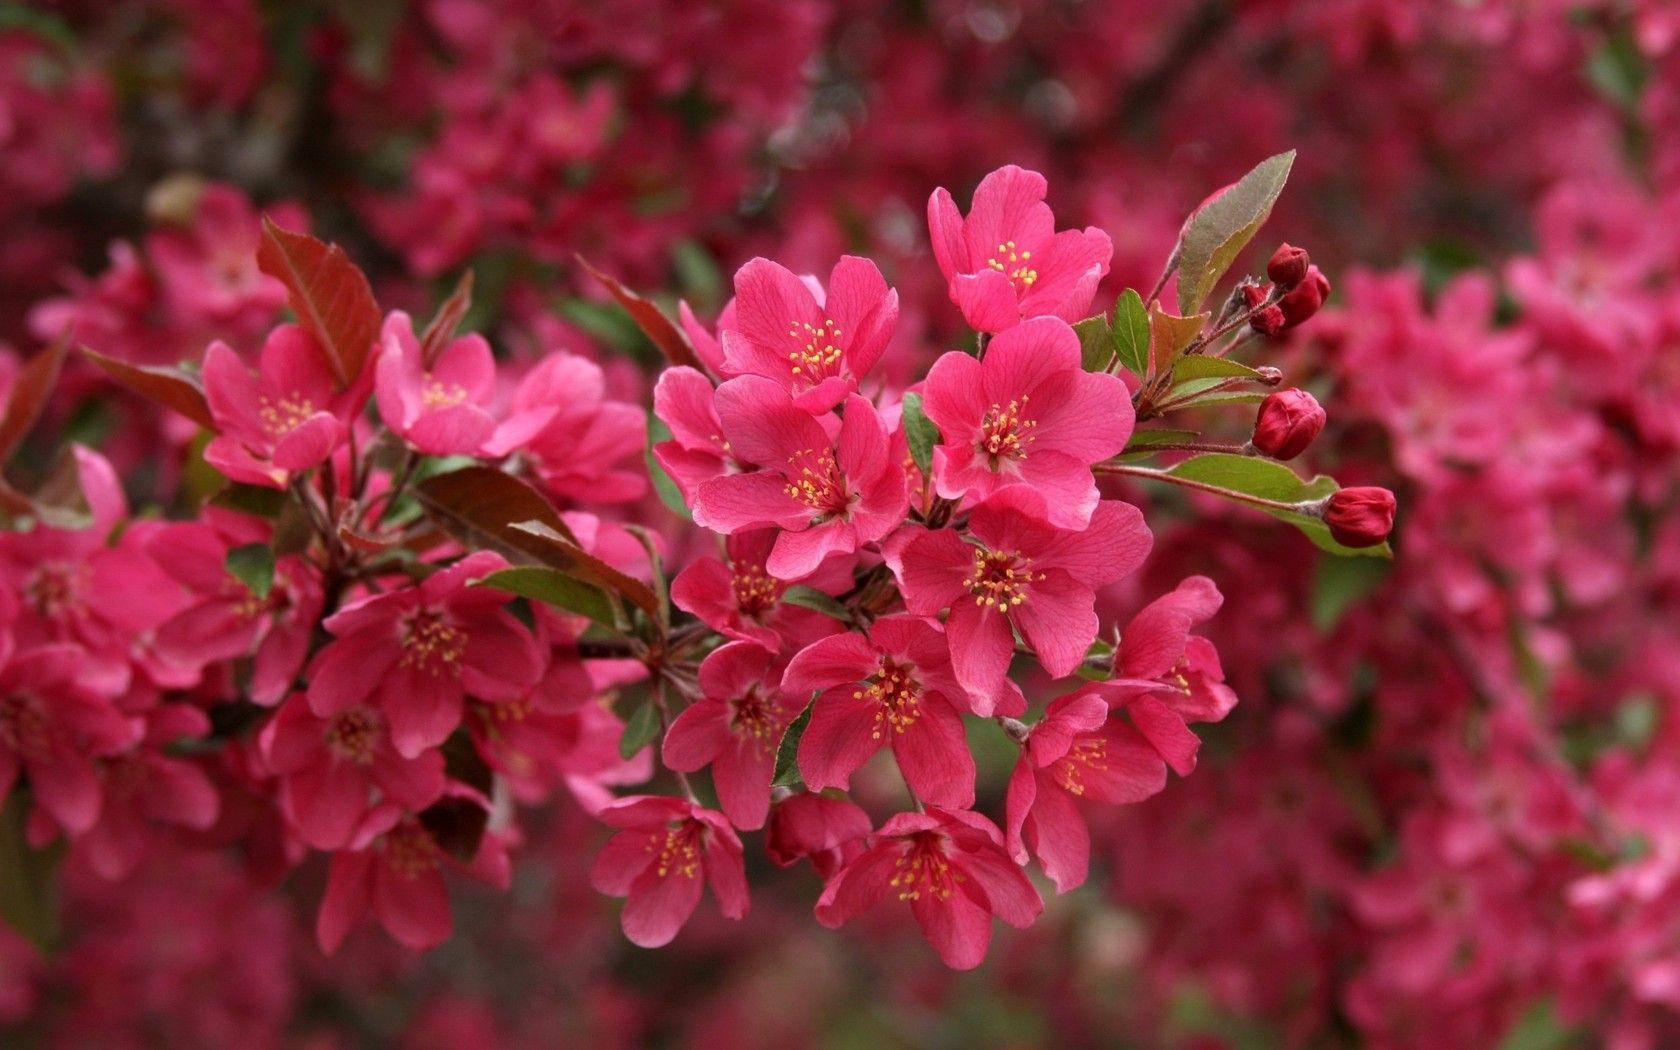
(894, 688)
(1027, 414)
(52, 728)
(735, 728)
(1157, 648)
(739, 598)
(439, 409)
(577, 438)
(1075, 751)
(414, 654)
(226, 619)
(330, 767)
(667, 847)
(815, 347)
(278, 421)
(1015, 573)
(146, 787)
(828, 494)
(830, 831)
(394, 868)
(952, 868)
(1005, 262)
(697, 452)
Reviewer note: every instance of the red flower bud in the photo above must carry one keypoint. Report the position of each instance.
(1288, 421)
(1361, 516)
(1304, 300)
(1288, 265)
(1269, 321)
(1253, 295)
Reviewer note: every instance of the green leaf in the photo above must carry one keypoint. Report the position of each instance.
(1131, 332)
(1201, 366)
(817, 601)
(1096, 343)
(1271, 480)
(555, 588)
(1340, 583)
(920, 432)
(669, 493)
(639, 730)
(1539, 1028)
(253, 565)
(787, 752)
(28, 877)
(1217, 233)
(1221, 397)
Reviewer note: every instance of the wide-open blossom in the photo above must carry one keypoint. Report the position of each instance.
(439, 408)
(1077, 750)
(226, 619)
(735, 727)
(1005, 261)
(665, 850)
(739, 598)
(816, 346)
(829, 493)
(1027, 414)
(53, 728)
(329, 769)
(280, 420)
(892, 688)
(577, 437)
(1017, 573)
(414, 654)
(952, 868)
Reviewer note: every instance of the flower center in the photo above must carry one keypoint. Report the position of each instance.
(1006, 432)
(1014, 264)
(410, 851)
(24, 727)
(53, 589)
(431, 645)
(677, 851)
(819, 349)
(814, 479)
(435, 394)
(756, 591)
(281, 416)
(897, 697)
(924, 869)
(999, 579)
(1086, 753)
(352, 735)
(753, 719)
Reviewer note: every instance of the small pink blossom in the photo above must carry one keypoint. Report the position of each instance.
(683, 399)
(1027, 414)
(666, 849)
(735, 727)
(1016, 573)
(815, 346)
(739, 598)
(828, 493)
(578, 439)
(415, 654)
(440, 408)
(892, 688)
(1157, 648)
(1005, 262)
(951, 867)
(278, 421)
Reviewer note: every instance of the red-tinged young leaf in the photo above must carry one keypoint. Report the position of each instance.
(441, 329)
(329, 293)
(565, 554)
(169, 387)
(1168, 335)
(670, 339)
(34, 383)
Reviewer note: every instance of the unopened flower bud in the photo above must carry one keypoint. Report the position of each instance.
(1361, 516)
(1288, 421)
(1288, 266)
(1304, 300)
(1269, 321)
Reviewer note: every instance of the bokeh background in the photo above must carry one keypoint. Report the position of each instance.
(1446, 812)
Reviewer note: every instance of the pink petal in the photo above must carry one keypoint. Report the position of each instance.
(933, 754)
(840, 737)
(957, 928)
(345, 900)
(1058, 836)
(698, 736)
(987, 300)
(746, 501)
(981, 647)
(414, 909)
(935, 568)
(659, 905)
(1058, 621)
(309, 443)
(840, 659)
(945, 233)
(1166, 731)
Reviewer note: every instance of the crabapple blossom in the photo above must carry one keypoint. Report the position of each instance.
(276, 422)
(437, 406)
(739, 598)
(665, 851)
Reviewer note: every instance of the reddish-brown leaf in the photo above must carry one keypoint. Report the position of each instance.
(168, 387)
(29, 395)
(329, 293)
(448, 318)
(670, 339)
(484, 507)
